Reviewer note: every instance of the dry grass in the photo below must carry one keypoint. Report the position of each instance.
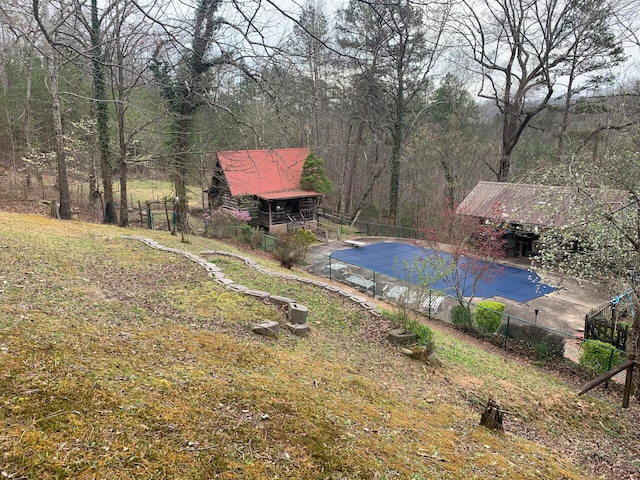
(119, 361)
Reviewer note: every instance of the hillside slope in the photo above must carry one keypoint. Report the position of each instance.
(120, 361)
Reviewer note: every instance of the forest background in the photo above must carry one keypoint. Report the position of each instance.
(408, 102)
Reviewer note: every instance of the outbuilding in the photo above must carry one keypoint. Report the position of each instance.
(267, 184)
(525, 209)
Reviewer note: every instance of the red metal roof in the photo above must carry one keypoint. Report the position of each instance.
(265, 172)
(288, 194)
(543, 205)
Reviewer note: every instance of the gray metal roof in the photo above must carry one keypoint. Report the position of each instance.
(542, 205)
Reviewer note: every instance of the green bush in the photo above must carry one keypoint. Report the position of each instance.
(424, 336)
(598, 357)
(461, 316)
(488, 315)
(304, 237)
(400, 319)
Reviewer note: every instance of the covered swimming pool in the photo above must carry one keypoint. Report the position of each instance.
(401, 260)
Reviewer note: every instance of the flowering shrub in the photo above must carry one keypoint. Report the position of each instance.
(242, 215)
(222, 223)
(236, 213)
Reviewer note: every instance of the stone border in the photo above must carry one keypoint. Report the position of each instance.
(218, 275)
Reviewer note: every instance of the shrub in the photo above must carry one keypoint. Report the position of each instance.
(461, 315)
(304, 237)
(250, 235)
(424, 336)
(488, 315)
(598, 357)
(292, 249)
(537, 341)
(398, 319)
(224, 223)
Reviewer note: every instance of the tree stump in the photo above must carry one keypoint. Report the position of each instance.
(492, 416)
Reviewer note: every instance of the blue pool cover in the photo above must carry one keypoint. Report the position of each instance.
(396, 259)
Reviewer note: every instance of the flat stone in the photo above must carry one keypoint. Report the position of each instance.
(237, 288)
(257, 293)
(298, 329)
(331, 288)
(224, 281)
(208, 252)
(370, 306)
(211, 267)
(355, 298)
(216, 275)
(269, 329)
(278, 300)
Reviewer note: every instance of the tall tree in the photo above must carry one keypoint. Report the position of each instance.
(521, 48)
(52, 58)
(394, 45)
(67, 38)
(127, 41)
(97, 53)
(594, 50)
(309, 45)
(184, 88)
(452, 133)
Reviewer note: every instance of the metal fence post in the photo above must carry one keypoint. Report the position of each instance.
(374, 284)
(606, 384)
(506, 333)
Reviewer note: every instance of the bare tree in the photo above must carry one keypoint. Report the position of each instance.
(52, 59)
(184, 86)
(126, 42)
(521, 48)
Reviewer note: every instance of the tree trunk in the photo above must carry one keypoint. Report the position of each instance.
(102, 116)
(492, 416)
(352, 166)
(62, 180)
(396, 152)
(633, 341)
(180, 173)
(122, 143)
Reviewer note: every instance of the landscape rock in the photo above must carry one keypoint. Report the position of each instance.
(278, 300)
(298, 329)
(298, 313)
(268, 329)
(237, 287)
(258, 294)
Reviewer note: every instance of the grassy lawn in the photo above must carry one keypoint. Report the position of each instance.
(120, 361)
